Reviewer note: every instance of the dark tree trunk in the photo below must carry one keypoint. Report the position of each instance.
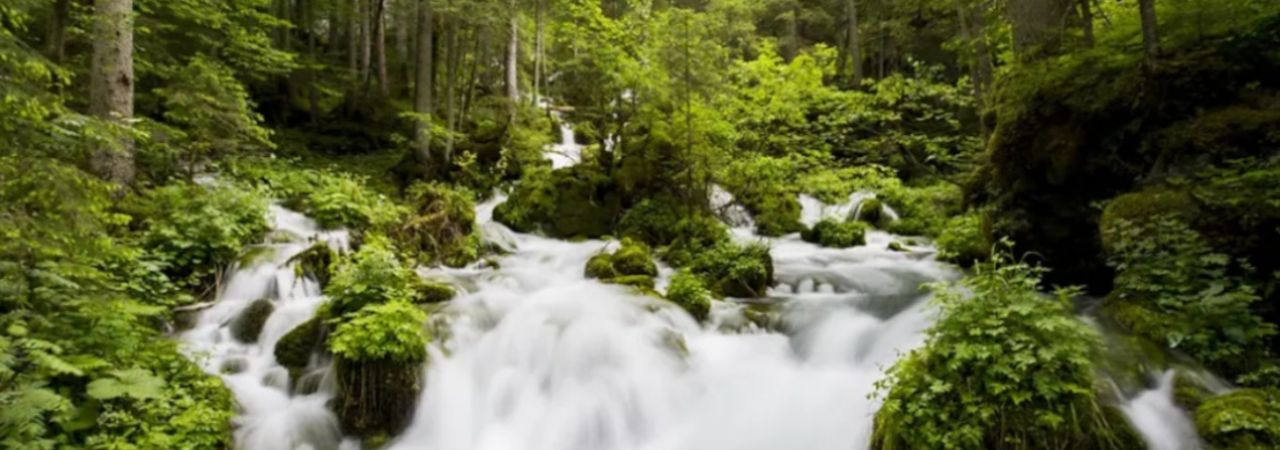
(1150, 39)
(111, 86)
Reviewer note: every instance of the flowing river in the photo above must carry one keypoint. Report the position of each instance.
(533, 355)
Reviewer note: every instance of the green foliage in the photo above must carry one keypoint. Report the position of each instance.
(440, 225)
(392, 331)
(871, 212)
(686, 290)
(924, 210)
(653, 221)
(333, 199)
(1241, 420)
(372, 276)
(579, 201)
(962, 240)
(1165, 269)
(762, 185)
(212, 112)
(730, 269)
(838, 234)
(317, 262)
(1005, 367)
(631, 265)
(192, 232)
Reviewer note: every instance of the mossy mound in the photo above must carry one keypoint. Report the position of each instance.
(1189, 390)
(654, 221)
(1245, 419)
(440, 226)
(600, 266)
(687, 292)
(693, 235)
(248, 325)
(631, 265)
(316, 262)
(776, 212)
(294, 349)
(733, 270)
(578, 201)
(1144, 205)
(379, 354)
(431, 291)
(837, 234)
(642, 282)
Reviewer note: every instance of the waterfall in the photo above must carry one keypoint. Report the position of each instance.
(535, 356)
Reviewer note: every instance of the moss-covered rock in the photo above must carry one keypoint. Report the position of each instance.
(248, 325)
(316, 262)
(380, 352)
(440, 227)
(634, 258)
(776, 212)
(693, 235)
(733, 270)
(431, 291)
(1144, 205)
(600, 266)
(654, 221)
(642, 282)
(837, 234)
(564, 203)
(687, 292)
(1245, 419)
(294, 349)
(896, 247)
(1189, 390)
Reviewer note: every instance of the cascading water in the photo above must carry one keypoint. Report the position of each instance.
(535, 356)
(813, 210)
(567, 152)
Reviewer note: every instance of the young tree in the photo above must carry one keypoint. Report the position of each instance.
(513, 57)
(1038, 26)
(855, 45)
(1150, 40)
(111, 86)
(423, 88)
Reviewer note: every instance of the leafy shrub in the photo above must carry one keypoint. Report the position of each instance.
(833, 233)
(333, 199)
(193, 232)
(1170, 286)
(686, 290)
(578, 201)
(392, 331)
(1243, 419)
(206, 101)
(653, 221)
(440, 225)
(694, 234)
(373, 275)
(870, 211)
(1023, 379)
(317, 262)
(922, 211)
(730, 269)
(962, 240)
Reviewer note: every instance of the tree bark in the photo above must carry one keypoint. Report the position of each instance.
(380, 44)
(1150, 39)
(1038, 26)
(450, 80)
(57, 42)
(111, 86)
(1086, 21)
(538, 52)
(422, 101)
(353, 39)
(855, 43)
(513, 58)
(366, 41)
(313, 95)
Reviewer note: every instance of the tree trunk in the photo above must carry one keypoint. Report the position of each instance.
(513, 59)
(1038, 26)
(366, 41)
(855, 44)
(353, 38)
(1086, 21)
(422, 101)
(538, 53)
(978, 66)
(380, 44)
(57, 42)
(450, 78)
(111, 86)
(793, 31)
(313, 95)
(1150, 40)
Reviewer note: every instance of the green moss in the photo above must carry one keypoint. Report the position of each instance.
(256, 255)
(440, 226)
(686, 290)
(600, 266)
(694, 235)
(1189, 390)
(575, 201)
(776, 212)
(1143, 206)
(294, 349)
(653, 221)
(833, 233)
(248, 325)
(429, 291)
(1240, 420)
(634, 258)
(642, 282)
(733, 270)
(897, 247)
(316, 262)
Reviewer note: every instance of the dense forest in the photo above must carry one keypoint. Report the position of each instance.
(639, 224)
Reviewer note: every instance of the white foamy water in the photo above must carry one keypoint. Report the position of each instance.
(567, 152)
(813, 210)
(535, 356)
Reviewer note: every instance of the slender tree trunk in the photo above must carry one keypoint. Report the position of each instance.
(353, 38)
(1086, 21)
(1150, 39)
(855, 44)
(513, 58)
(450, 80)
(380, 44)
(478, 53)
(366, 42)
(979, 58)
(334, 34)
(1038, 26)
(402, 75)
(57, 42)
(793, 31)
(111, 86)
(538, 53)
(422, 101)
(313, 96)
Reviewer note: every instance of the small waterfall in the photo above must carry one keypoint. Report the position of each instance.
(275, 412)
(1161, 422)
(728, 210)
(813, 210)
(567, 152)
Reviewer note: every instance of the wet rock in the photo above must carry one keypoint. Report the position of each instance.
(248, 325)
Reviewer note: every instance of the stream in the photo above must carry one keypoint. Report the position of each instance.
(533, 355)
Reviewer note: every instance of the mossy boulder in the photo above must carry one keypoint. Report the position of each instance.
(1189, 390)
(380, 353)
(1245, 419)
(248, 325)
(776, 211)
(1142, 206)
(431, 291)
(440, 227)
(734, 270)
(687, 291)
(577, 201)
(654, 221)
(642, 282)
(633, 258)
(294, 349)
(837, 234)
(600, 266)
(316, 262)
(694, 235)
